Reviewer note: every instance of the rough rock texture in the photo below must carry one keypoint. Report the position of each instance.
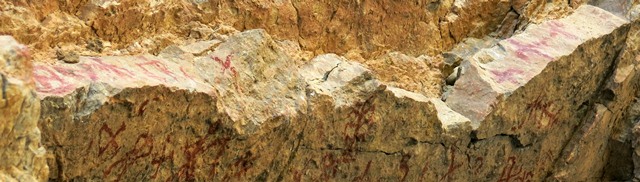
(23, 156)
(421, 74)
(539, 85)
(328, 91)
(249, 111)
(496, 74)
(370, 28)
(260, 122)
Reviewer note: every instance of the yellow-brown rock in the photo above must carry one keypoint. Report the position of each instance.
(23, 157)
(254, 90)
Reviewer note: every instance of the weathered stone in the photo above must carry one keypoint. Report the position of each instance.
(95, 45)
(253, 101)
(494, 75)
(413, 27)
(421, 74)
(23, 156)
(555, 102)
(453, 77)
(200, 111)
(624, 85)
(464, 51)
(67, 56)
(633, 117)
(618, 7)
(534, 87)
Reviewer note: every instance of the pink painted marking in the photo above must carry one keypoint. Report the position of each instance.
(155, 64)
(76, 73)
(226, 65)
(507, 75)
(558, 28)
(89, 71)
(523, 50)
(45, 81)
(120, 71)
(185, 73)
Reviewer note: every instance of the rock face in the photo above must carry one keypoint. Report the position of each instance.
(551, 94)
(497, 73)
(250, 125)
(22, 153)
(371, 28)
(540, 85)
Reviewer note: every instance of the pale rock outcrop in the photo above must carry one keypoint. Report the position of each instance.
(21, 152)
(269, 121)
(541, 84)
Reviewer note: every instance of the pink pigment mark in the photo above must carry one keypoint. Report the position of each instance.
(523, 50)
(558, 28)
(549, 154)
(226, 65)
(78, 74)
(605, 17)
(45, 81)
(365, 174)
(158, 66)
(100, 65)
(404, 166)
(67, 72)
(507, 75)
(424, 170)
(186, 74)
(89, 71)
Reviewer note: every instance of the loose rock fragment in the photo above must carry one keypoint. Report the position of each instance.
(95, 45)
(67, 56)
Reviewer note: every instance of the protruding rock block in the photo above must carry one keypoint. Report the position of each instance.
(149, 118)
(22, 156)
(245, 111)
(554, 57)
(559, 88)
(358, 128)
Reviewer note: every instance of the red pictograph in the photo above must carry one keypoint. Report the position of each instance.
(226, 65)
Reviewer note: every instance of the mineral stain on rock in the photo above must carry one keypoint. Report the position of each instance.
(178, 90)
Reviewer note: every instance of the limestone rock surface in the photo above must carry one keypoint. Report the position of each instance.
(448, 90)
(541, 84)
(234, 113)
(371, 28)
(21, 150)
